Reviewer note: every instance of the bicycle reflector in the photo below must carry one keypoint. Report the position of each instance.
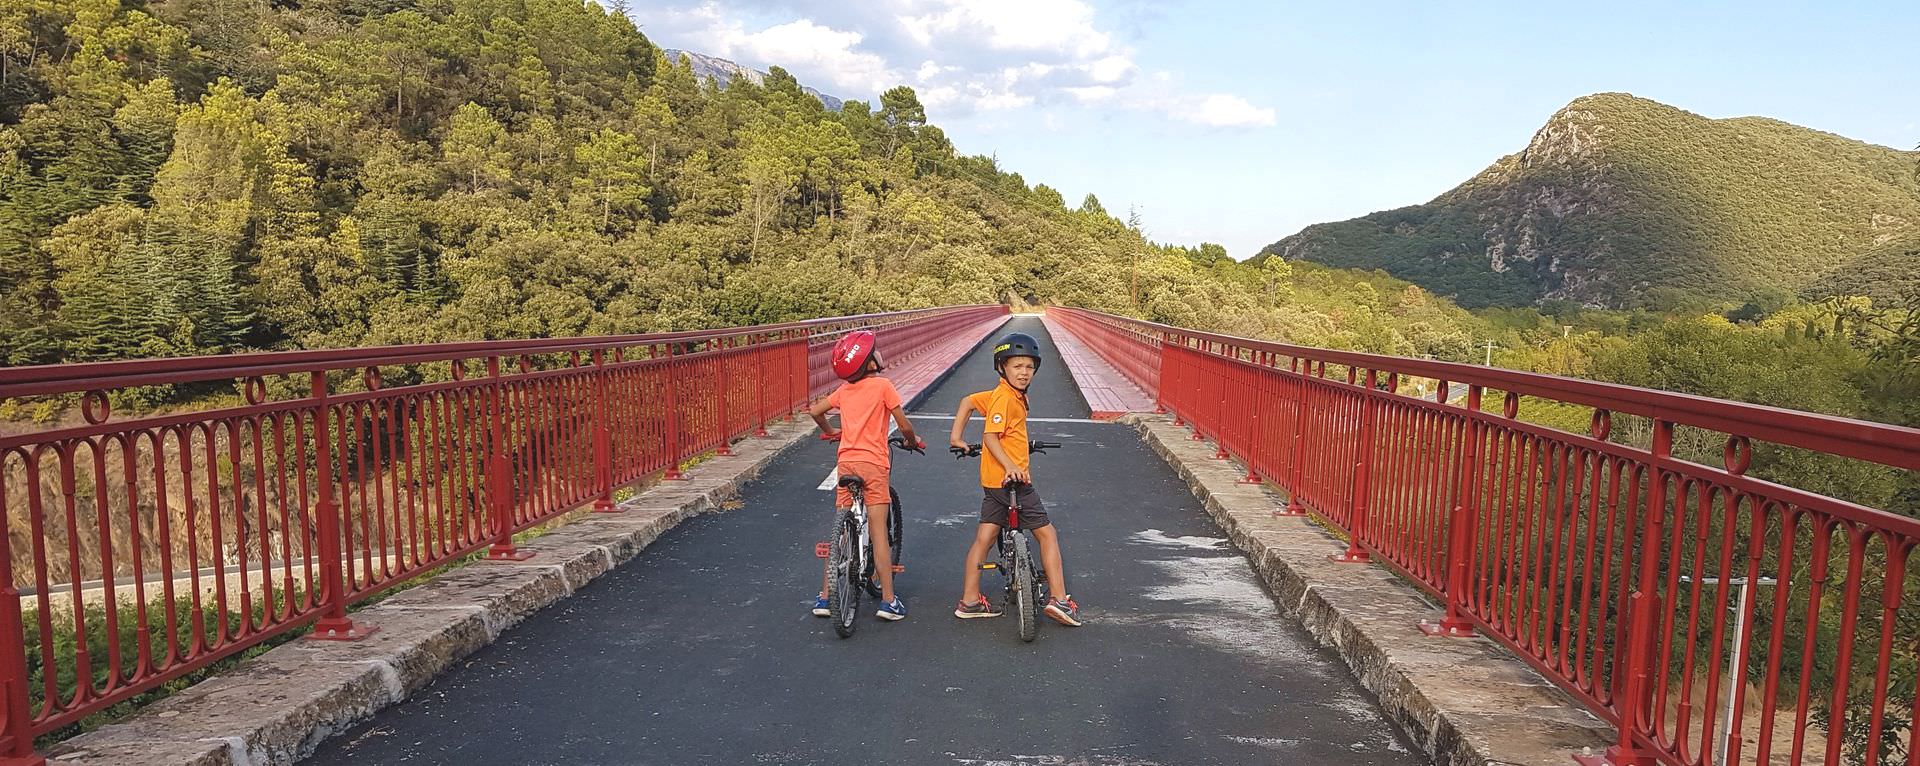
(820, 550)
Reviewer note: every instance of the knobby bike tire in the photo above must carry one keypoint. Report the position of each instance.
(1023, 599)
(843, 593)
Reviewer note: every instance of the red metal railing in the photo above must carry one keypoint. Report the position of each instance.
(1712, 616)
(164, 543)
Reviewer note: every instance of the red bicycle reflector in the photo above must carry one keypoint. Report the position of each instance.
(898, 568)
(820, 550)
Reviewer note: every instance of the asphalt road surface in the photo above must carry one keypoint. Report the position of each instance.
(702, 650)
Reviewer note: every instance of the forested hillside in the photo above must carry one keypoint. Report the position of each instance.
(204, 176)
(1623, 202)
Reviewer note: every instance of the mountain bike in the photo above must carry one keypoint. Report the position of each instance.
(849, 550)
(1026, 579)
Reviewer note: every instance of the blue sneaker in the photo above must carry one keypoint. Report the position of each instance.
(821, 608)
(892, 610)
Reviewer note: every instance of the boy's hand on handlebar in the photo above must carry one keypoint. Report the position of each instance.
(957, 445)
(1019, 474)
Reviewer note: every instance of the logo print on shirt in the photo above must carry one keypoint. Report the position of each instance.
(996, 418)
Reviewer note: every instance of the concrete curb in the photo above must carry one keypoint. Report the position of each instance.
(278, 707)
(1466, 702)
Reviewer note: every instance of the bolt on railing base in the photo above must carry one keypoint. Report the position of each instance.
(606, 506)
(674, 474)
(1221, 453)
(1288, 510)
(507, 553)
(760, 432)
(1250, 478)
(725, 450)
(1448, 628)
(1197, 436)
(343, 629)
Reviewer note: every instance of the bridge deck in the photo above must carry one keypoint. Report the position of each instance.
(702, 651)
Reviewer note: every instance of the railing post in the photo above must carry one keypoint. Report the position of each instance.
(1461, 524)
(1296, 464)
(1220, 430)
(723, 389)
(333, 625)
(1255, 378)
(760, 387)
(1635, 695)
(500, 472)
(672, 368)
(1362, 465)
(1637, 688)
(17, 748)
(602, 435)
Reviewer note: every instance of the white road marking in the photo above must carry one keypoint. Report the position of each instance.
(949, 417)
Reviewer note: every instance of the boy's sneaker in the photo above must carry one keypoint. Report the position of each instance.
(1064, 611)
(982, 608)
(892, 610)
(821, 608)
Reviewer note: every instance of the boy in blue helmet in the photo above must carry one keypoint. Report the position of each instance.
(1004, 471)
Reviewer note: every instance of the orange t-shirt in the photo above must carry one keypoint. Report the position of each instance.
(864, 407)
(1006, 414)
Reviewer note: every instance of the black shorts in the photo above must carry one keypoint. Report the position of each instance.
(993, 508)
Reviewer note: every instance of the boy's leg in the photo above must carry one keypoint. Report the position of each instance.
(882, 549)
(1050, 560)
(983, 538)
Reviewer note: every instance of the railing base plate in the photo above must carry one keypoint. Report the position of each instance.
(1351, 556)
(508, 554)
(323, 632)
(1443, 630)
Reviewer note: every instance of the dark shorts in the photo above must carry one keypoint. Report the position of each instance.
(993, 508)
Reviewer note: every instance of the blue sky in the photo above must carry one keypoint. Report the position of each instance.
(1240, 123)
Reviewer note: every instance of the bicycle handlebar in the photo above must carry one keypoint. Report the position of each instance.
(900, 442)
(973, 450)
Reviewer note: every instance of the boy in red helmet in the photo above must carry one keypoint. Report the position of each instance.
(864, 402)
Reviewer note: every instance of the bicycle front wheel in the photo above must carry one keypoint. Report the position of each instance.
(843, 586)
(1024, 603)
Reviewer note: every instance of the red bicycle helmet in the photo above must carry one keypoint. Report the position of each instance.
(851, 353)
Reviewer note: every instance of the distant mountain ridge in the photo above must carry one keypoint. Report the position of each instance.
(1622, 201)
(724, 71)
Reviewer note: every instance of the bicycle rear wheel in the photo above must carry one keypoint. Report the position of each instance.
(894, 524)
(843, 588)
(1023, 592)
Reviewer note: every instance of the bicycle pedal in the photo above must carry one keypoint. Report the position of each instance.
(820, 550)
(898, 568)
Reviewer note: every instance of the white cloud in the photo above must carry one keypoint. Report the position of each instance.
(1223, 110)
(808, 46)
(972, 55)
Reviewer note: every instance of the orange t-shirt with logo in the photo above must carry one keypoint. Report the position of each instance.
(864, 407)
(1006, 414)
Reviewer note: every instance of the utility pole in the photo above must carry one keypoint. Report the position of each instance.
(1737, 674)
(1489, 353)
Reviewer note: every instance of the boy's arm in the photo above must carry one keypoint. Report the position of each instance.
(992, 442)
(957, 439)
(906, 426)
(819, 412)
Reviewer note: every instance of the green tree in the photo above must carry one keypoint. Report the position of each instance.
(614, 172)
